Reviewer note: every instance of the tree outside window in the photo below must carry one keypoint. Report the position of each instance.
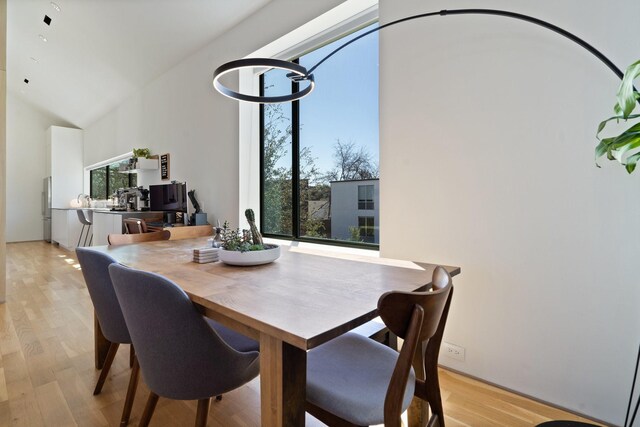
(310, 145)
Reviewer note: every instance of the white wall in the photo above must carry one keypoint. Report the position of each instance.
(488, 124)
(26, 141)
(180, 113)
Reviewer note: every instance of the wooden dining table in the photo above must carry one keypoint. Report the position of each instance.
(302, 300)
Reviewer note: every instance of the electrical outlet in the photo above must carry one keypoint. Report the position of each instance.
(453, 351)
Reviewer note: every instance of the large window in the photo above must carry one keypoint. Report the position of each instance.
(316, 151)
(106, 180)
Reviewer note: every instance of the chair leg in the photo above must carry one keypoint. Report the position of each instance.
(432, 389)
(203, 412)
(86, 236)
(131, 393)
(132, 356)
(80, 237)
(148, 409)
(111, 354)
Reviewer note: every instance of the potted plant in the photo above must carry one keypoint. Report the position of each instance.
(141, 152)
(623, 147)
(245, 247)
(142, 159)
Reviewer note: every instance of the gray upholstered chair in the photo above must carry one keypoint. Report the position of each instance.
(180, 354)
(353, 380)
(107, 310)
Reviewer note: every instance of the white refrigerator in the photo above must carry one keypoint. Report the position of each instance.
(46, 208)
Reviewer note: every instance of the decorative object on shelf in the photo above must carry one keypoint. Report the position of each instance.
(164, 167)
(141, 153)
(198, 217)
(239, 248)
(621, 147)
(137, 155)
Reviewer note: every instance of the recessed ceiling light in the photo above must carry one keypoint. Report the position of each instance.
(47, 20)
(26, 81)
(43, 38)
(55, 6)
(34, 59)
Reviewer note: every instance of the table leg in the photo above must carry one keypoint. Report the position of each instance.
(419, 410)
(283, 376)
(100, 343)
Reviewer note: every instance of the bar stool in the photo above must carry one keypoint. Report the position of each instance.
(85, 220)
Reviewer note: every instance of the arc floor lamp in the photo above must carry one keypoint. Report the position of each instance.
(300, 74)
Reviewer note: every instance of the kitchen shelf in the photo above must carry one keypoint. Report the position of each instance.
(143, 165)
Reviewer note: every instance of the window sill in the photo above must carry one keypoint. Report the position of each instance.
(325, 250)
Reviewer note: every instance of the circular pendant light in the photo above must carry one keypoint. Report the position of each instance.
(297, 73)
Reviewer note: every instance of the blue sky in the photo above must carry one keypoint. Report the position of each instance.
(344, 104)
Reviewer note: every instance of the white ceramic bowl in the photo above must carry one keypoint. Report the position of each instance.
(270, 254)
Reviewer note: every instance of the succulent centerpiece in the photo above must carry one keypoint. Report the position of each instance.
(246, 247)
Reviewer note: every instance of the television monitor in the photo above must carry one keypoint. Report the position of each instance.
(168, 197)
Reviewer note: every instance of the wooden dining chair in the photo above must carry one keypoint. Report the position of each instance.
(126, 239)
(184, 359)
(355, 381)
(190, 232)
(135, 225)
(107, 310)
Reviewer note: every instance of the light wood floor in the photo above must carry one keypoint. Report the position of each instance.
(47, 374)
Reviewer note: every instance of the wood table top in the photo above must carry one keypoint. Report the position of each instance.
(304, 299)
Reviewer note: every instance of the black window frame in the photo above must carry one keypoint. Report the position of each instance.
(295, 171)
(108, 172)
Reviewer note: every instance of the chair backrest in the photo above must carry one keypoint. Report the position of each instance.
(396, 308)
(126, 239)
(84, 217)
(95, 269)
(184, 358)
(441, 279)
(190, 232)
(415, 317)
(135, 225)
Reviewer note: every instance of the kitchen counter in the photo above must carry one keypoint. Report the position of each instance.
(66, 226)
(109, 211)
(107, 222)
(133, 213)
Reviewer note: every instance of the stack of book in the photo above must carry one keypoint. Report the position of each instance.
(204, 255)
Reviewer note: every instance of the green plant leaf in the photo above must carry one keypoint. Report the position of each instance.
(627, 96)
(603, 123)
(631, 162)
(631, 143)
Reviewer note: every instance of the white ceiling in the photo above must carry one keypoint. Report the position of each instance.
(98, 52)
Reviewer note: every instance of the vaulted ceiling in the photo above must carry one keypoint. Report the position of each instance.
(98, 52)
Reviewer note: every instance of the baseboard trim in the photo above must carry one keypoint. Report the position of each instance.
(535, 399)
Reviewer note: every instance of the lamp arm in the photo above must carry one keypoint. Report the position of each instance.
(595, 52)
(298, 73)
